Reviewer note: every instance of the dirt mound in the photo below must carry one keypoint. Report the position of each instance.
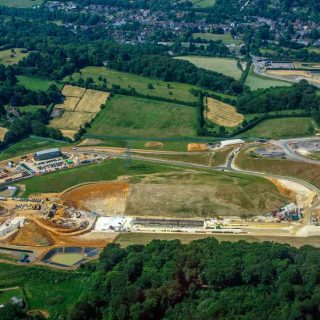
(104, 198)
(31, 235)
(284, 190)
(197, 147)
(153, 144)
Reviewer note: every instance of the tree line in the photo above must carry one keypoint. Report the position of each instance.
(203, 280)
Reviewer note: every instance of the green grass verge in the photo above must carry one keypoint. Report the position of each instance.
(281, 128)
(226, 38)
(226, 66)
(255, 81)
(29, 145)
(139, 117)
(107, 170)
(36, 84)
(46, 289)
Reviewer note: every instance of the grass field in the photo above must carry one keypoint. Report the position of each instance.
(226, 38)
(139, 117)
(20, 3)
(222, 113)
(34, 83)
(108, 170)
(29, 145)
(255, 81)
(228, 67)
(281, 128)
(31, 108)
(44, 288)
(6, 295)
(126, 239)
(168, 90)
(7, 57)
(301, 170)
(203, 3)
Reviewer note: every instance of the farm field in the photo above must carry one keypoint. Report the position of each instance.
(45, 289)
(226, 38)
(163, 89)
(36, 84)
(281, 128)
(222, 113)
(7, 57)
(105, 171)
(139, 117)
(80, 106)
(255, 81)
(20, 3)
(226, 66)
(29, 145)
(127, 239)
(301, 170)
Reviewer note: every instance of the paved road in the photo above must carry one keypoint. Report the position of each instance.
(284, 145)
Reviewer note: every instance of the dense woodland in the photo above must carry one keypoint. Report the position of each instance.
(203, 280)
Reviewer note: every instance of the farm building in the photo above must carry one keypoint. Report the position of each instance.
(47, 154)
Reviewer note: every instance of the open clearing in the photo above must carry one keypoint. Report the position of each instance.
(226, 38)
(80, 107)
(163, 89)
(228, 67)
(36, 84)
(203, 3)
(173, 194)
(255, 81)
(129, 116)
(21, 3)
(222, 113)
(9, 57)
(281, 128)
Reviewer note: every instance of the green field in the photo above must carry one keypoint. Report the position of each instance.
(108, 170)
(29, 145)
(138, 117)
(203, 3)
(20, 3)
(34, 83)
(255, 81)
(67, 259)
(228, 67)
(226, 38)
(281, 128)
(169, 90)
(31, 108)
(44, 288)
(7, 57)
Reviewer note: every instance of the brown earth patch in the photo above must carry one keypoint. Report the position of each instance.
(31, 235)
(106, 198)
